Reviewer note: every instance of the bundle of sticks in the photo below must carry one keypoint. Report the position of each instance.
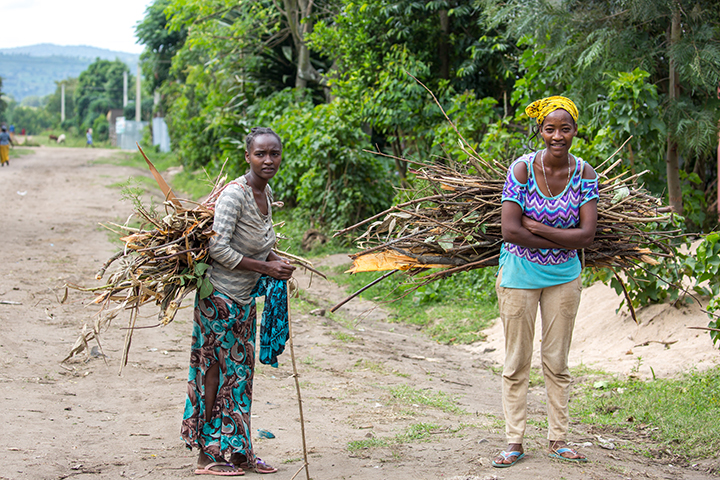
(453, 224)
(162, 261)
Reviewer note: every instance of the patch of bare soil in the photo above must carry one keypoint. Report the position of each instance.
(83, 420)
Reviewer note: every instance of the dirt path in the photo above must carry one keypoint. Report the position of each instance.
(82, 420)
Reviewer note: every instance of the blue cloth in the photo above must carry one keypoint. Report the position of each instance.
(522, 273)
(274, 326)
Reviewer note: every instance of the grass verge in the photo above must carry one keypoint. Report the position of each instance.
(454, 310)
(436, 399)
(680, 414)
(20, 152)
(417, 432)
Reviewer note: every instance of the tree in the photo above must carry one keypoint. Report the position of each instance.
(444, 44)
(3, 104)
(161, 43)
(99, 88)
(53, 100)
(676, 41)
(299, 17)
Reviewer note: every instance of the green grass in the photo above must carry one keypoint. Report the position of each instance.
(290, 236)
(455, 310)
(20, 152)
(418, 432)
(343, 337)
(681, 414)
(407, 395)
(70, 140)
(191, 185)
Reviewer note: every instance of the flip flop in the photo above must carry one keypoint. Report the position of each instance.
(557, 454)
(259, 467)
(507, 455)
(207, 470)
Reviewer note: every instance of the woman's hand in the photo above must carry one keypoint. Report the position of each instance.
(279, 269)
(533, 226)
(274, 266)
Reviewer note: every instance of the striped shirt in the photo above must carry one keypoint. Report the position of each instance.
(242, 231)
(525, 267)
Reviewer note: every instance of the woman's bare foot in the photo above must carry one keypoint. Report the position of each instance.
(510, 456)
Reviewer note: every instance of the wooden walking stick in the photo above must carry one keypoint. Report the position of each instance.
(297, 387)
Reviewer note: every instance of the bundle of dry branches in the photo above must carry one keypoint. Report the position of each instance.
(162, 261)
(454, 223)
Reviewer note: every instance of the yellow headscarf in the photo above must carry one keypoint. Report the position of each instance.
(540, 109)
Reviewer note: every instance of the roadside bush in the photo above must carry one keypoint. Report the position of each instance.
(325, 171)
(101, 129)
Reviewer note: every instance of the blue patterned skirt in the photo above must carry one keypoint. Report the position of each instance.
(223, 333)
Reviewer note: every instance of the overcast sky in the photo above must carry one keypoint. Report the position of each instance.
(96, 23)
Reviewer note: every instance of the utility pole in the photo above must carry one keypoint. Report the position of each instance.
(125, 87)
(138, 106)
(62, 101)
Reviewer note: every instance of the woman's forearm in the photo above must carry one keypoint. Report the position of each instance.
(520, 235)
(581, 236)
(247, 263)
(569, 238)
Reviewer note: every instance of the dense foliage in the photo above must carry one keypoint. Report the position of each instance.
(339, 78)
(336, 78)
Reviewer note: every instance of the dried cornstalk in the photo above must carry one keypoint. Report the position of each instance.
(163, 261)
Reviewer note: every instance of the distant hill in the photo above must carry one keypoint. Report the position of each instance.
(33, 70)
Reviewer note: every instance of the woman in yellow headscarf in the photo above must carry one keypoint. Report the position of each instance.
(549, 210)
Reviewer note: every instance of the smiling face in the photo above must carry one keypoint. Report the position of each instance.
(264, 156)
(557, 131)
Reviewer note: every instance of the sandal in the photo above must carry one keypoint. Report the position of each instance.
(258, 467)
(558, 454)
(507, 455)
(208, 470)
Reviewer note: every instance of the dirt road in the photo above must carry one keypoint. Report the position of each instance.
(359, 375)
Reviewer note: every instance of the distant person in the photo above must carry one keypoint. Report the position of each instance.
(88, 134)
(22, 132)
(5, 142)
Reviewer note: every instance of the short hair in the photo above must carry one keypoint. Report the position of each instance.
(256, 132)
(4, 128)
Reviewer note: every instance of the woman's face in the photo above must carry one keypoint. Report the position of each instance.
(264, 156)
(557, 131)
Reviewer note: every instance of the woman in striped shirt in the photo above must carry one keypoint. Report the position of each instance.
(222, 362)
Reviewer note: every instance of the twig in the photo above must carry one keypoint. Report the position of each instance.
(627, 297)
(706, 328)
(297, 387)
(389, 210)
(377, 280)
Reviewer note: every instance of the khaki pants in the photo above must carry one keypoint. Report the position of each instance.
(518, 309)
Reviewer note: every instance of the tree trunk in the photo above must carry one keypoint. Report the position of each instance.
(673, 164)
(444, 48)
(299, 17)
(400, 165)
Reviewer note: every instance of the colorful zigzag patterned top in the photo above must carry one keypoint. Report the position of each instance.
(561, 211)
